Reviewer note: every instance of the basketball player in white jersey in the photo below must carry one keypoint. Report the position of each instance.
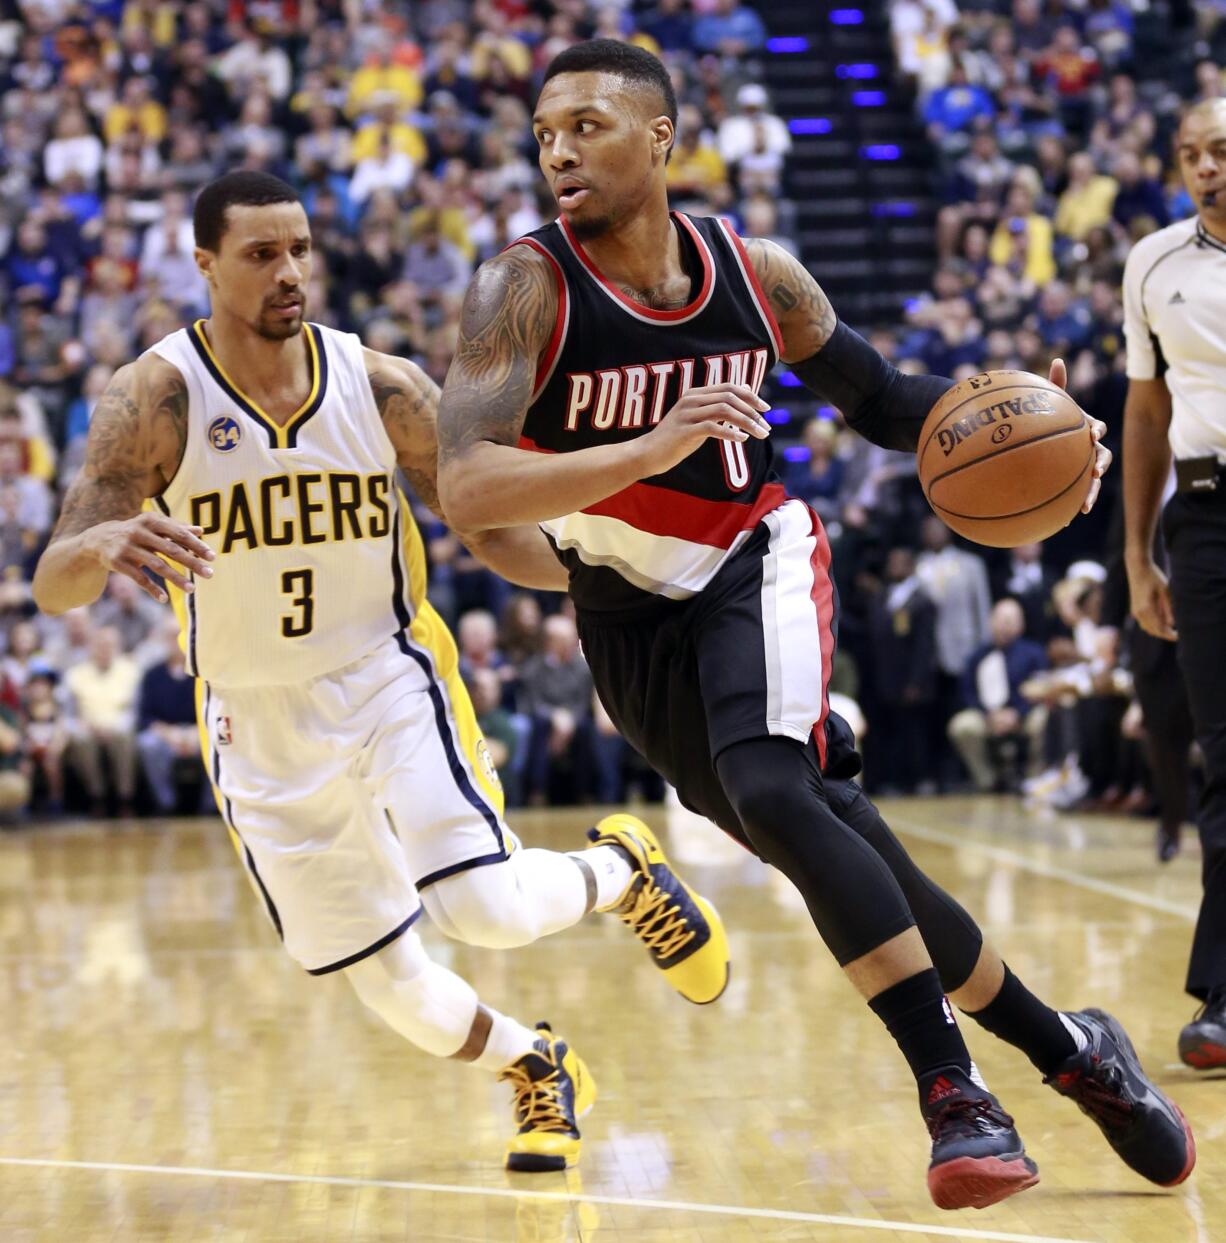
(250, 463)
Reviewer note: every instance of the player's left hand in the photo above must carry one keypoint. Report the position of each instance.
(1058, 375)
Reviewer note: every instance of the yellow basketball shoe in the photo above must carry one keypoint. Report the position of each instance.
(681, 929)
(553, 1089)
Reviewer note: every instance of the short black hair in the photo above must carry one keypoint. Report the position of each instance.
(237, 189)
(625, 60)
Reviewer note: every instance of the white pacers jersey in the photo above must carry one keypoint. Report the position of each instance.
(317, 559)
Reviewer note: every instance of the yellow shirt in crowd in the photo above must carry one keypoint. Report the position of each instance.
(1079, 211)
(105, 698)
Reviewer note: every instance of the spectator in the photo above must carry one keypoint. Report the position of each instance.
(953, 109)
(818, 479)
(1023, 238)
(728, 28)
(520, 630)
(255, 62)
(670, 25)
(556, 693)
(103, 690)
(385, 169)
(127, 609)
(14, 782)
(46, 735)
(168, 736)
(381, 79)
(68, 638)
(436, 266)
(1139, 195)
(999, 730)
(902, 634)
(24, 653)
(478, 643)
(1026, 580)
(136, 111)
(1087, 202)
(505, 735)
(696, 166)
(956, 581)
(754, 141)
(74, 149)
(33, 497)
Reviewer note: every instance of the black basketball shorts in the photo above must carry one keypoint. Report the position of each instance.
(748, 657)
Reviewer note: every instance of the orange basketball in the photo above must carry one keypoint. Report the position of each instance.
(1006, 458)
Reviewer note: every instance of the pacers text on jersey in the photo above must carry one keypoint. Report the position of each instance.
(315, 507)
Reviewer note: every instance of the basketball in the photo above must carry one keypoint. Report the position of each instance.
(1006, 458)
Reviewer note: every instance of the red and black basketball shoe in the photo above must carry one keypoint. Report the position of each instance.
(1146, 1128)
(1202, 1044)
(977, 1156)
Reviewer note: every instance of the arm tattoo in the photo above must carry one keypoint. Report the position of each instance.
(806, 318)
(130, 448)
(407, 402)
(508, 315)
(169, 403)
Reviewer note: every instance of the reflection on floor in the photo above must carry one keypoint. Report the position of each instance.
(170, 1075)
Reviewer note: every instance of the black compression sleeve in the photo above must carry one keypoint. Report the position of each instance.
(877, 400)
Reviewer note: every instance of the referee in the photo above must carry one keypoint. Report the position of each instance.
(1175, 324)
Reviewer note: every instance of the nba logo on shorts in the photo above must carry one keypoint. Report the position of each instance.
(224, 734)
(487, 764)
(224, 434)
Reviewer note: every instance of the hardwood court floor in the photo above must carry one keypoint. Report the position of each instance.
(170, 1075)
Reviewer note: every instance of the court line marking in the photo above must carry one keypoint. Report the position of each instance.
(683, 1206)
(1068, 875)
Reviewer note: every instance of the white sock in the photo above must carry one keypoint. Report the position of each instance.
(508, 1042)
(612, 871)
(1079, 1037)
(977, 1078)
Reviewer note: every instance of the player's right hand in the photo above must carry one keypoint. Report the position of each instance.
(155, 543)
(1151, 600)
(715, 411)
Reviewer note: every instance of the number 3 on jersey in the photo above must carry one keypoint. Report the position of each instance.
(299, 585)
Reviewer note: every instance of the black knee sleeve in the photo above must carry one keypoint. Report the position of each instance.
(776, 790)
(951, 935)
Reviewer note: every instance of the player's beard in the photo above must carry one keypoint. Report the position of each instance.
(282, 330)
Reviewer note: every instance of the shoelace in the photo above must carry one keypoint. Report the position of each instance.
(539, 1104)
(967, 1116)
(662, 928)
(1099, 1095)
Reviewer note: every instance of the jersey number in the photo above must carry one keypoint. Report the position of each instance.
(300, 586)
(736, 467)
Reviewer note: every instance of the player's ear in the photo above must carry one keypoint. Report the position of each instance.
(662, 138)
(204, 262)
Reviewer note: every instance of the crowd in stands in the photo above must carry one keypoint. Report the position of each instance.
(1051, 157)
(405, 126)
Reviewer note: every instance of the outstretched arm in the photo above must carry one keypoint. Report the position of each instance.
(408, 402)
(877, 400)
(485, 479)
(135, 444)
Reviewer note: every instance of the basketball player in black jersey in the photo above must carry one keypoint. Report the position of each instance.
(605, 385)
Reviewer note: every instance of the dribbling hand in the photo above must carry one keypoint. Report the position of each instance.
(1058, 375)
(716, 411)
(155, 543)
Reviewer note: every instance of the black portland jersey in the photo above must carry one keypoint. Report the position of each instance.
(612, 370)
